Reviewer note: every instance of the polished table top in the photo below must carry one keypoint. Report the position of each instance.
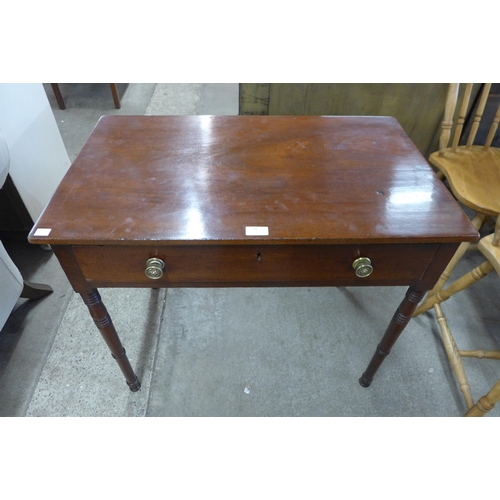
(206, 179)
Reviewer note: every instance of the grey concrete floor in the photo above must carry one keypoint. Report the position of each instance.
(227, 352)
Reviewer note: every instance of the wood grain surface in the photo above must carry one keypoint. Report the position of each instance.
(254, 265)
(204, 179)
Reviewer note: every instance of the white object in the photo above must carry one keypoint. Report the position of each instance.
(11, 285)
(38, 157)
(11, 281)
(41, 231)
(256, 231)
(4, 161)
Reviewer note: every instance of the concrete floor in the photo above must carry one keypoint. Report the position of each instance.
(227, 352)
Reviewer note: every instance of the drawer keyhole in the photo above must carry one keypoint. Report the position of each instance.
(259, 256)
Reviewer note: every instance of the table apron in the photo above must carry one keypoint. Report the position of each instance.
(254, 265)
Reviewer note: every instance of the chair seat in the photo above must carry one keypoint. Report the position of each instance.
(474, 176)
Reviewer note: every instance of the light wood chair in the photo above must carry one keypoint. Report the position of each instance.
(473, 174)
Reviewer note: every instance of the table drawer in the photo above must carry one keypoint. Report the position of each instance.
(254, 265)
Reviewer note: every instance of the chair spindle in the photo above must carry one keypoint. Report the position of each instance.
(447, 123)
(486, 403)
(461, 117)
(454, 356)
(480, 354)
(479, 115)
(493, 129)
(496, 236)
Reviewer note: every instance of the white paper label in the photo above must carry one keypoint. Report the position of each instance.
(42, 232)
(256, 231)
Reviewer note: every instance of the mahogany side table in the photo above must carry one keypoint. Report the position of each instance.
(229, 201)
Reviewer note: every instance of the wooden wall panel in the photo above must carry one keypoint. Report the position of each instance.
(254, 98)
(417, 106)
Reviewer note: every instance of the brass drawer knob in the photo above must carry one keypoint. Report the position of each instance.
(154, 268)
(363, 267)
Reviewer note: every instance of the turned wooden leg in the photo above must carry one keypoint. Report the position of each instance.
(103, 322)
(114, 92)
(454, 356)
(398, 323)
(460, 284)
(35, 291)
(477, 222)
(486, 403)
(480, 354)
(58, 95)
(449, 268)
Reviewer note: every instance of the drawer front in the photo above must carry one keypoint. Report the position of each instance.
(254, 265)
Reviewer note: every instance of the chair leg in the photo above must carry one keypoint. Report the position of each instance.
(460, 284)
(477, 222)
(486, 403)
(480, 354)
(59, 97)
(449, 268)
(454, 356)
(35, 291)
(116, 97)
